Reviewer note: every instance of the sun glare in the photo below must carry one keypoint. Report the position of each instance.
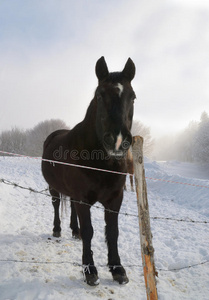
(192, 3)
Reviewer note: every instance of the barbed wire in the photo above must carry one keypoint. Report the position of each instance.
(177, 182)
(43, 192)
(102, 265)
(72, 200)
(185, 267)
(179, 220)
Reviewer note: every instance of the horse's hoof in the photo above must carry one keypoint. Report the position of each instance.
(119, 274)
(92, 279)
(121, 279)
(76, 235)
(90, 273)
(57, 234)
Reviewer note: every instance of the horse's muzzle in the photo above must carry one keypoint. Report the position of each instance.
(118, 145)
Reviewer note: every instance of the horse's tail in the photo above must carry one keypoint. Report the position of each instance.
(64, 209)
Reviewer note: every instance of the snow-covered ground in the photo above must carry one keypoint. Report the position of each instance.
(34, 265)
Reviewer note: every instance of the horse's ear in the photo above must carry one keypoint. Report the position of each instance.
(129, 70)
(101, 69)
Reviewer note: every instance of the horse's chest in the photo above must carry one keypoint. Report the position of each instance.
(93, 186)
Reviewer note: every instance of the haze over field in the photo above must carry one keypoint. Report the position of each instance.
(49, 49)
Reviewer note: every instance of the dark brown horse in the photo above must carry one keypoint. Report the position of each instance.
(101, 141)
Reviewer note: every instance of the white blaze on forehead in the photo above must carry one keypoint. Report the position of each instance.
(118, 141)
(120, 87)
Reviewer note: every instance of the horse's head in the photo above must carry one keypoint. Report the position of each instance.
(115, 100)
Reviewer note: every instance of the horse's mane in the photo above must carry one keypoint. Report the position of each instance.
(91, 111)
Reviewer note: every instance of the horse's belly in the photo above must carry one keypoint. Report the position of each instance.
(82, 184)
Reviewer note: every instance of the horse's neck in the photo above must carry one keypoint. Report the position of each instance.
(86, 130)
(91, 111)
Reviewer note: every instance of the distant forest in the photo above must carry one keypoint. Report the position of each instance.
(30, 142)
(191, 145)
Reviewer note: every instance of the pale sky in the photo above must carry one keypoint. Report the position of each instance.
(49, 48)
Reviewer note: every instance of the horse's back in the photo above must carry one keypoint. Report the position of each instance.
(58, 133)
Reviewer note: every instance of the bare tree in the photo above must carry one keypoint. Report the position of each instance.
(37, 135)
(138, 128)
(201, 146)
(185, 143)
(191, 144)
(13, 140)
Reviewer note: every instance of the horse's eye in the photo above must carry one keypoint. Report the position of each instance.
(100, 94)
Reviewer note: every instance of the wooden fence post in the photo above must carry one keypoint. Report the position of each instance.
(147, 249)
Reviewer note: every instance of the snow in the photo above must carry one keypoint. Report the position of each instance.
(34, 265)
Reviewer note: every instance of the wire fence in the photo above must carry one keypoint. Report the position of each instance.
(100, 265)
(44, 192)
(54, 162)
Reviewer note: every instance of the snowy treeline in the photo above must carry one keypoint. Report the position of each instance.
(138, 128)
(191, 145)
(30, 142)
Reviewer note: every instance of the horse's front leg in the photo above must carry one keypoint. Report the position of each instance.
(86, 232)
(112, 232)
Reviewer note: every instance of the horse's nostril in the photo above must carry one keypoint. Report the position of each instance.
(126, 145)
(127, 142)
(109, 139)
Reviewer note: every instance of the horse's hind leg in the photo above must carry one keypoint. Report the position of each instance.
(56, 204)
(74, 222)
